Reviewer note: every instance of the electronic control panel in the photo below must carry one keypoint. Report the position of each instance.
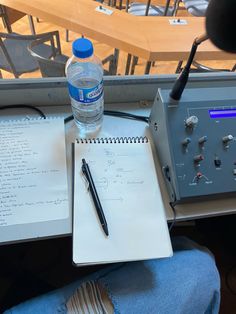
(195, 139)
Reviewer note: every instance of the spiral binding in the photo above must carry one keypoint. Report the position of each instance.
(113, 140)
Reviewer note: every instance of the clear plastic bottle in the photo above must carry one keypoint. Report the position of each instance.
(85, 82)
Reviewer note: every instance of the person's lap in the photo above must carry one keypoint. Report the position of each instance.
(186, 283)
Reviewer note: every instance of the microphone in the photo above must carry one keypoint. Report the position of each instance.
(182, 80)
(220, 24)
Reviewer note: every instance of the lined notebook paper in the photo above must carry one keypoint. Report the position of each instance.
(33, 173)
(125, 178)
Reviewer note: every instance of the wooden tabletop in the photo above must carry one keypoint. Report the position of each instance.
(152, 38)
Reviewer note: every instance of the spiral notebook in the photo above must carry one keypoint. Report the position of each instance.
(124, 174)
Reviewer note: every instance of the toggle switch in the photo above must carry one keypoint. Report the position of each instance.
(217, 162)
(186, 141)
(198, 158)
(191, 122)
(202, 140)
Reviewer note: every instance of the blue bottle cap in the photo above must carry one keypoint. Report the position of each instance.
(82, 48)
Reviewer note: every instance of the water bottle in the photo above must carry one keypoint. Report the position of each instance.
(85, 82)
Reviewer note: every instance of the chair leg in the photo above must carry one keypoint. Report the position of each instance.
(5, 19)
(67, 35)
(147, 7)
(148, 67)
(114, 63)
(127, 6)
(176, 7)
(6, 24)
(179, 66)
(134, 63)
(112, 3)
(31, 23)
(128, 63)
(166, 7)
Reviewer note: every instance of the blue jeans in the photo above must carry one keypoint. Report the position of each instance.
(187, 283)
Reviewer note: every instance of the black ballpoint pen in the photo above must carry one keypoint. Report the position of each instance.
(86, 171)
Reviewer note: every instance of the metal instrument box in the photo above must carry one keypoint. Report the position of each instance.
(196, 142)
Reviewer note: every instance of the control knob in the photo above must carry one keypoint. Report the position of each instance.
(191, 122)
(198, 158)
(226, 139)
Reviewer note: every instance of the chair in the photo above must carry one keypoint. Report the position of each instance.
(196, 7)
(53, 66)
(140, 9)
(14, 55)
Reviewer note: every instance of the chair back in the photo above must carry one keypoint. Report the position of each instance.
(49, 67)
(196, 8)
(147, 9)
(15, 56)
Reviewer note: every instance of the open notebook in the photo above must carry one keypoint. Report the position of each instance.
(125, 178)
(33, 174)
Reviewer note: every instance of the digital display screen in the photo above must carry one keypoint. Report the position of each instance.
(222, 113)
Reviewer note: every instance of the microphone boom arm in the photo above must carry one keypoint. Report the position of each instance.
(181, 82)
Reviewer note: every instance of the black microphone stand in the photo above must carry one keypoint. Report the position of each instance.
(180, 83)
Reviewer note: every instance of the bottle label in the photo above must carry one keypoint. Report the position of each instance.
(86, 95)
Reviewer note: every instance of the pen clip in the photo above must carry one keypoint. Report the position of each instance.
(85, 178)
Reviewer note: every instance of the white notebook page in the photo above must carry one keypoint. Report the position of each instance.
(125, 178)
(33, 172)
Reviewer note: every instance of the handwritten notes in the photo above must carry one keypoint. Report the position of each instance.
(125, 178)
(118, 171)
(33, 177)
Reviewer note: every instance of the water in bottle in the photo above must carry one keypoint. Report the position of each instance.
(85, 81)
